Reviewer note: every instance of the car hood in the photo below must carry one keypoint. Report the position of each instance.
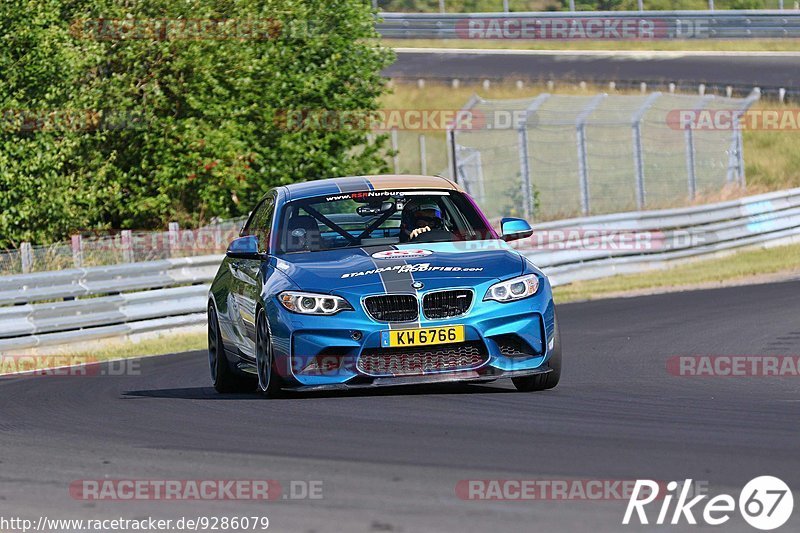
(394, 268)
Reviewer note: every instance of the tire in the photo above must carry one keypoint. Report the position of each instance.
(540, 382)
(269, 384)
(223, 378)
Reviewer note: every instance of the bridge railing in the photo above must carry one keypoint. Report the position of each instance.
(593, 25)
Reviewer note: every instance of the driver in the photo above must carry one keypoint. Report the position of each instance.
(421, 218)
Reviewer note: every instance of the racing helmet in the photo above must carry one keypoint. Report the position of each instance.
(410, 214)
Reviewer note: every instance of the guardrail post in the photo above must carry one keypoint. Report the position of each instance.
(174, 238)
(583, 165)
(441, 6)
(423, 156)
(77, 250)
(127, 245)
(26, 257)
(638, 156)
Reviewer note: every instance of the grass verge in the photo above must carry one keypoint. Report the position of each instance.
(743, 266)
(102, 350)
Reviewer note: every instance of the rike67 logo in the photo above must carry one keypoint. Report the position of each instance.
(766, 503)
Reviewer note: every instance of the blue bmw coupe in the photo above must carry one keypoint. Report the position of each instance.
(380, 280)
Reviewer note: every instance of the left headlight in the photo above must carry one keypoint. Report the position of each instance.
(308, 303)
(513, 289)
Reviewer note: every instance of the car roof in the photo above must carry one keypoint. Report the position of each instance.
(307, 189)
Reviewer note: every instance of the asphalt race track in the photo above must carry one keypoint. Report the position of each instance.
(390, 460)
(742, 70)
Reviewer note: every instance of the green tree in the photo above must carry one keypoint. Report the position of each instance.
(190, 128)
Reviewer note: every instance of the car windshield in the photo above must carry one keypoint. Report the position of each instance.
(373, 218)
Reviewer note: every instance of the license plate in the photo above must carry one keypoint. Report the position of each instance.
(422, 336)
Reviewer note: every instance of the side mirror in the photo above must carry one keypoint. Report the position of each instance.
(244, 248)
(515, 228)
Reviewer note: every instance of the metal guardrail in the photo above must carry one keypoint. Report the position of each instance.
(48, 308)
(734, 24)
(52, 308)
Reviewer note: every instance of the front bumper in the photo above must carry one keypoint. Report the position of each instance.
(303, 345)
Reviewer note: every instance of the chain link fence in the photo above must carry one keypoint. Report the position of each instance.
(118, 247)
(556, 156)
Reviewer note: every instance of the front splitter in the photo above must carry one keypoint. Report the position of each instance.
(444, 377)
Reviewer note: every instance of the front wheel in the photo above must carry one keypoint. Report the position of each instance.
(269, 384)
(549, 380)
(222, 377)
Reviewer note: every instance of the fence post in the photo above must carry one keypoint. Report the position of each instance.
(691, 174)
(754, 96)
(174, 237)
(452, 158)
(77, 250)
(26, 257)
(505, 6)
(740, 153)
(396, 150)
(441, 6)
(452, 152)
(690, 168)
(127, 245)
(638, 156)
(524, 156)
(572, 5)
(524, 170)
(583, 166)
(423, 156)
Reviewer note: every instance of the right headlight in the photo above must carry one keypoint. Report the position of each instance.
(513, 289)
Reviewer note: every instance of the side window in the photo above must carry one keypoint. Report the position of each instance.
(260, 223)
